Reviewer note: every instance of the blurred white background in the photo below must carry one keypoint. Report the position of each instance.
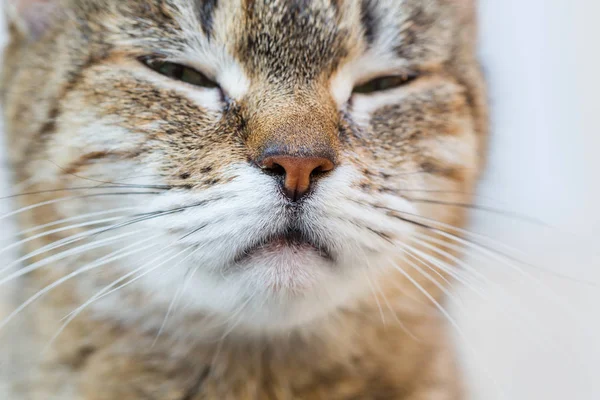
(533, 336)
(540, 341)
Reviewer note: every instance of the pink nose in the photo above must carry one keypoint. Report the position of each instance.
(298, 172)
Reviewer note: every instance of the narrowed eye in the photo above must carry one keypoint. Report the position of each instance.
(385, 83)
(178, 72)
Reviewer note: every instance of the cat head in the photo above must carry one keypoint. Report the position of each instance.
(283, 152)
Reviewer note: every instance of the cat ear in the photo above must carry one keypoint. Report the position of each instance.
(31, 17)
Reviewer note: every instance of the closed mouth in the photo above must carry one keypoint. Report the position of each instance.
(292, 239)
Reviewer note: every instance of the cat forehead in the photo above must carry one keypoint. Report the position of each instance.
(285, 39)
(275, 38)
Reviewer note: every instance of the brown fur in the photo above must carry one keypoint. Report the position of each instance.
(393, 345)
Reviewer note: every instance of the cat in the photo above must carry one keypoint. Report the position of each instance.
(240, 199)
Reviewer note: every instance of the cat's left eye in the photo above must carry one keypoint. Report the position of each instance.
(179, 72)
(385, 83)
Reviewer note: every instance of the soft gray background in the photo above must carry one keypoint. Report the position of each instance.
(520, 342)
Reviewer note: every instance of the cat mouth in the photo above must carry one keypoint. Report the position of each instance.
(291, 240)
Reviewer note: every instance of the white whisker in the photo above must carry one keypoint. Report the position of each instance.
(110, 288)
(62, 255)
(517, 306)
(375, 296)
(100, 262)
(509, 262)
(496, 255)
(231, 327)
(53, 246)
(37, 205)
(488, 247)
(57, 230)
(444, 267)
(448, 317)
(75, 218)
(177, 294)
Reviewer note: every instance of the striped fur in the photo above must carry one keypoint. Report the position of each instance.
(80, 109)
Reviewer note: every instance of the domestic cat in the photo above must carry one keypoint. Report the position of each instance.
(240, 199)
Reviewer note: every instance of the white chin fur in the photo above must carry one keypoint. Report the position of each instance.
(273, 289)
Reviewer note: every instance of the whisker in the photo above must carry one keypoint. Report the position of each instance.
(512, 264)
(437, 273)
(155, 214)
(62, 255)
(434, 263)
(165, 187)
(99, 231)
(54, 201)
(492, 210)
(103, 293)
(100, 262)
(201, 227)
(75, 218)
(489, 249)
(137, 219)
(403, 326)
(406, 250)
(110, 288)
(55, 245)
(177, 294)
(130, 177)
(451, 246)
(231, 327)
(190, 275)
(421, 289)
(448, 317)
(58, 230)
(380, 291)
(444, 267)
(375, 297)
(517, 307)
(497, 254)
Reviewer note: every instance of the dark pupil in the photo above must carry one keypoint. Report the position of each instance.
(384, 83)
(182, 73)
(173, 70)
(381, 84)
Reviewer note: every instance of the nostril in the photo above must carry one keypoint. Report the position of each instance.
(277, 169)
(271, 167)
(297, 172)
(318, 171)
(325, 166)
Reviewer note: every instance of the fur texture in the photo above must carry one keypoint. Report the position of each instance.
(184, 224)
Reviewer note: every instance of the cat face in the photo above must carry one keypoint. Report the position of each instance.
(284, 152)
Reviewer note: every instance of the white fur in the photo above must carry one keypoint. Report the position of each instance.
(207, 98)
(211, 56)
(379, 60)
(363, 106)
(369, 66)
(277, 290)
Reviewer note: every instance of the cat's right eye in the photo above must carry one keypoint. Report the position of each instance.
(385, 83)
(178, 72)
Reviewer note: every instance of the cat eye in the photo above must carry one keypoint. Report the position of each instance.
(385, 83)
(178, 72)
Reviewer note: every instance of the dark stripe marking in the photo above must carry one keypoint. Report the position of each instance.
(368, 20)
(206, 10)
